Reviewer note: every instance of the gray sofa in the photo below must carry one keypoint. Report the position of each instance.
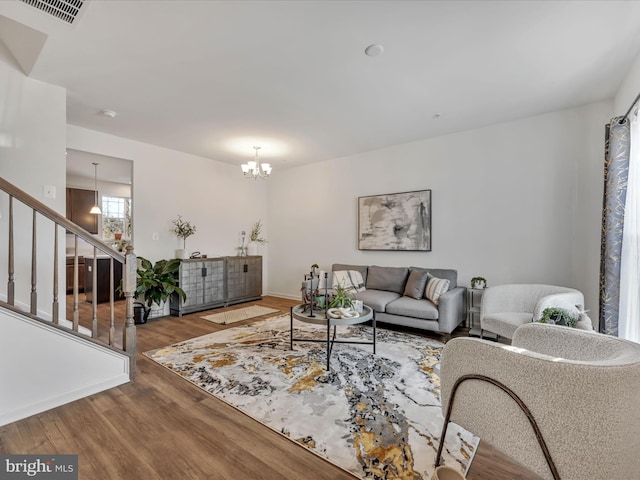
(385, 293)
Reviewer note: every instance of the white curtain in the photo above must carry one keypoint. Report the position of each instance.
(629, 317)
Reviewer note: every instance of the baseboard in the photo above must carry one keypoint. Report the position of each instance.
(48, 404)
(285, 295)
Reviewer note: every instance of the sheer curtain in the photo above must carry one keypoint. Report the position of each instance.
(629, 313)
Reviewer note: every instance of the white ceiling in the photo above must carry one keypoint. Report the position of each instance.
(214, 78)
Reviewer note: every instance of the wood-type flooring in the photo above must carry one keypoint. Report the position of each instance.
(162, 427)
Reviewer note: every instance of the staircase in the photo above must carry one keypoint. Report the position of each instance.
(46, 359)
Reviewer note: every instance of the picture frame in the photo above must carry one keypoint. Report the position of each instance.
(395, 221)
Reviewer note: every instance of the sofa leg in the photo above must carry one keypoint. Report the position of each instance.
(481, 334)
(447, 337)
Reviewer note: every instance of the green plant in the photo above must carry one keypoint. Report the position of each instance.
(340, 298)
(158, 282)
(256, 233)
(481, 280)
(558, 316)
(183, 229)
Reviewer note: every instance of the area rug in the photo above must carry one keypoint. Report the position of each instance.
(377, 416)
(233, 316)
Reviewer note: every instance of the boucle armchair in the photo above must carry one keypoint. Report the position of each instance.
(581, 388)
(506, 307)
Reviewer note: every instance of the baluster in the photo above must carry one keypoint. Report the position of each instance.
(129, 285)
(10, 283)
(55, 306)
(34, 265)
(94, 294)
(76, 313)
(111, 319)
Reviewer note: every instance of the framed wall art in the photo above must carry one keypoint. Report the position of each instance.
(395, 221)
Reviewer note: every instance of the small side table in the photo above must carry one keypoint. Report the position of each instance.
(474, 300)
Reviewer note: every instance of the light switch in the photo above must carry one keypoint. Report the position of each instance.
(49, 191)
(155, 236)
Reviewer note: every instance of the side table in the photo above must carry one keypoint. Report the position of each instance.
(474, 300)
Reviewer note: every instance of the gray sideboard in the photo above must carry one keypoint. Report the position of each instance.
(217, 282)
(244, 279)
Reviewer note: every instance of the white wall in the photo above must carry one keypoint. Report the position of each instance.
(516, 202)
(59, 368)
(32, 155)
(212, 195)
(629, 89)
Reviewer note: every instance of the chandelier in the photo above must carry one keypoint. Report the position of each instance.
(255, 169)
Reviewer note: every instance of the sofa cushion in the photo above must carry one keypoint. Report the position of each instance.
(343, 266)
(391, 279)
(410, 307)
(376, 299)
(416, 283)
(435, 288)
(446, 273)
(350, 280)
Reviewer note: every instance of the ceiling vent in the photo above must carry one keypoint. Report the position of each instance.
(65, 10)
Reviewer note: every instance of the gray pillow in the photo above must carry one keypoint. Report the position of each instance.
(391, 279)
(415, 284)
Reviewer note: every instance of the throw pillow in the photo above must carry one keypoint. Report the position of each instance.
(435, 287)
(415, 284)
(350, 280)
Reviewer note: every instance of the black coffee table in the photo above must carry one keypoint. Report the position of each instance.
(321, 318)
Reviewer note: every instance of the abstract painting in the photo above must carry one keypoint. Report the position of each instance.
(395, 221)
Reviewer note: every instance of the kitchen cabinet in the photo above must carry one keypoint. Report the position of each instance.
(70, 274)
(79, 202)
(101, 290)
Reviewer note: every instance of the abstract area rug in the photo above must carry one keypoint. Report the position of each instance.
(232, 316)
(377, 416)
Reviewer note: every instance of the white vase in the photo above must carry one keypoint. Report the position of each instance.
(182, 253)
(252, 248)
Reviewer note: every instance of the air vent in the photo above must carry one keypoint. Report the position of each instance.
(65, 10)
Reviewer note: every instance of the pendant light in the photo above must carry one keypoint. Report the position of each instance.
(96, 209)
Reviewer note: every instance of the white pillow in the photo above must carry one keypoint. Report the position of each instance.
(350, 280)
(435, 287)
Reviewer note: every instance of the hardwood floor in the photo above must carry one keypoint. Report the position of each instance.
(162, 427)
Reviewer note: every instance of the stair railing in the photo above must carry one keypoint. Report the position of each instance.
(128, 261)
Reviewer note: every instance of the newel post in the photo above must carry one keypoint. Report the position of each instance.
(129, 288)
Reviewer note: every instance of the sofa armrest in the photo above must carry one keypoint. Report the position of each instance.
(451, 309)
(557, 300)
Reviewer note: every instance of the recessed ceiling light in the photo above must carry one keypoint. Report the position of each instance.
(374, 50)
(108, 113)
(436, 116)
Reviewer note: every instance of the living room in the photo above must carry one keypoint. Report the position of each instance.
(515, 201)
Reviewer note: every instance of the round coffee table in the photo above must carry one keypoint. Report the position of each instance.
(321, 318)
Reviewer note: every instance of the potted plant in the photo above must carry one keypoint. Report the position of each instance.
(558, 316)
(182, 229)
(157, 283)
(478, 283)
(255, 238)
(340, 298)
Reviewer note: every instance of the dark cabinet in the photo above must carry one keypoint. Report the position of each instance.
(70, 268)
(101, 290)
(79, 202)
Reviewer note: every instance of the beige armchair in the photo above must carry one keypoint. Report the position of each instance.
(506, 307)
(580, 390)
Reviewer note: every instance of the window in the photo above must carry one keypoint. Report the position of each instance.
(116, 216)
